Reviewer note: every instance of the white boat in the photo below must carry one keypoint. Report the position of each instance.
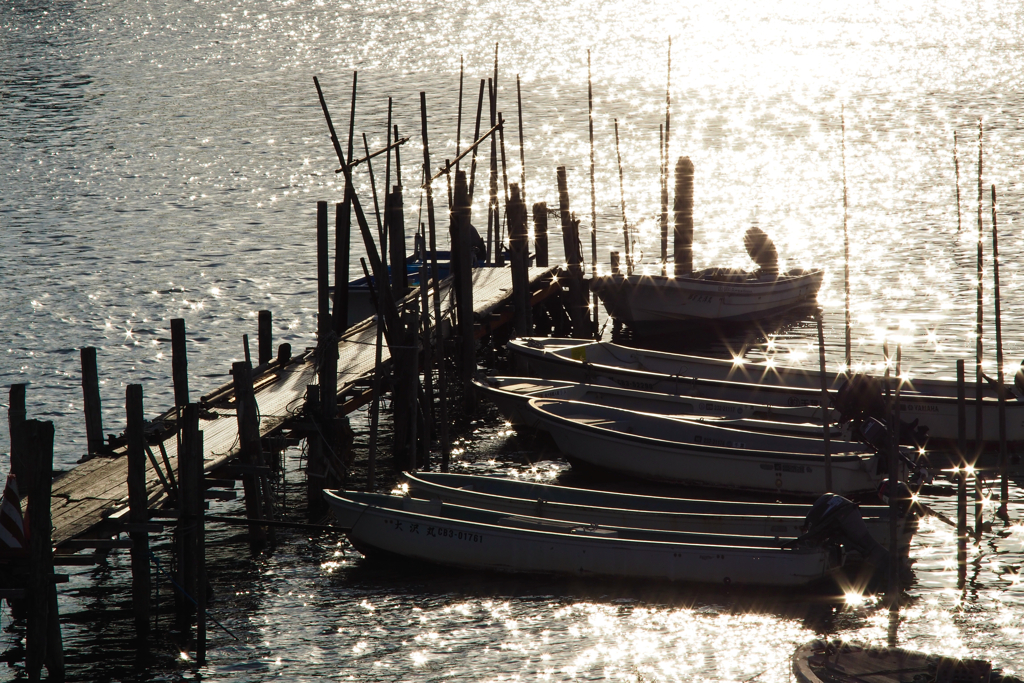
(931, 401)
(647, 447)
(605, 508)
(712, 295)
(471, 538)
(512, 394)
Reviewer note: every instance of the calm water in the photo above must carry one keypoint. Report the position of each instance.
(163, 160)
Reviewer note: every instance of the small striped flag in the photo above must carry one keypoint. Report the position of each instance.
(13, 534)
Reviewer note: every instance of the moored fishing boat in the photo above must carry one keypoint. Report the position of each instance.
(713, 295)
(471, 538)
(512, 394)
(607, 508)
(932, 402)
(644, 446)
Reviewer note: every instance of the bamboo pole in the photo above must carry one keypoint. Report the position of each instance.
(979, 376)
(956, 170)
(827, 432)
(476, 136)
(458, 125)
(522, 145)
(846, 251)
(961, 480)
(622, 197)
(893, 590)
(492, 216)
(664, 200)
(593, 182)
(1004, 463)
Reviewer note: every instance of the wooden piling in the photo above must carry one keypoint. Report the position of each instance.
(251, 450)
(683, 217)
(438, 349)
(522, 144)
(593, 182)
(613, 257)
(405, 392)
(202, 581)
(245, 349)
(961, 479)
(265, 352)
(893, 589)
(179, 362)
(316, 461)
(43, 637)
(396, 240)
(519, 247)
(570, 241)
(1004, 461)
(21, 455)
(826, 423)
(540, 233)
(190, 459)
(138, 512)
(91, 396)
(463, 271)
(493, 216)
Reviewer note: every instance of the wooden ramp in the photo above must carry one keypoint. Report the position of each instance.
(97, 490)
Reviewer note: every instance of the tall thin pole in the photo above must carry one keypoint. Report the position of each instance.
(664, 200)
(522, 146)
(846, 249)
(593, 185)
(824, 405)
(1004, 473)
(979, 376)
(458, 126)
(476, 136)
(622, 196)
(956, 170)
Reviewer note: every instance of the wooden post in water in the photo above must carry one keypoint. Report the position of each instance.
(464, 278)
(893, 589)
(405, 393)
(663, 180)
(138, 513)
(327, 344)
(622, 196)
(519, 242)
(91, 396)
(251, 450)
(1004, 461)
(21, 456)
(540, 233)
(439, 354)
(493, 217)
(571, 243)
(961, 479)
(593, 199)
(683, 214)
(476, 136)
(265, 350)
(179, 362)
(43, 637)
(202, 581)
(190, 459)
(613, 257)
(316, 459)
(826, 423)
(396, 241)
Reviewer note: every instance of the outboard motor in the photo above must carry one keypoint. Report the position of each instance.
(861, 398)
(836, 520)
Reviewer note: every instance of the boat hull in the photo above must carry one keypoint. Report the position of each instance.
(610, 448)
(719, 379)
(573, 550)
(642, 300)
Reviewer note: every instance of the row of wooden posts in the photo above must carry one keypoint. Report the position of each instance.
(187, 487)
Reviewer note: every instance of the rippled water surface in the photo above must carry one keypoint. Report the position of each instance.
(162, 159)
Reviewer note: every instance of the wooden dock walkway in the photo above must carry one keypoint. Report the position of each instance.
(96, 492)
